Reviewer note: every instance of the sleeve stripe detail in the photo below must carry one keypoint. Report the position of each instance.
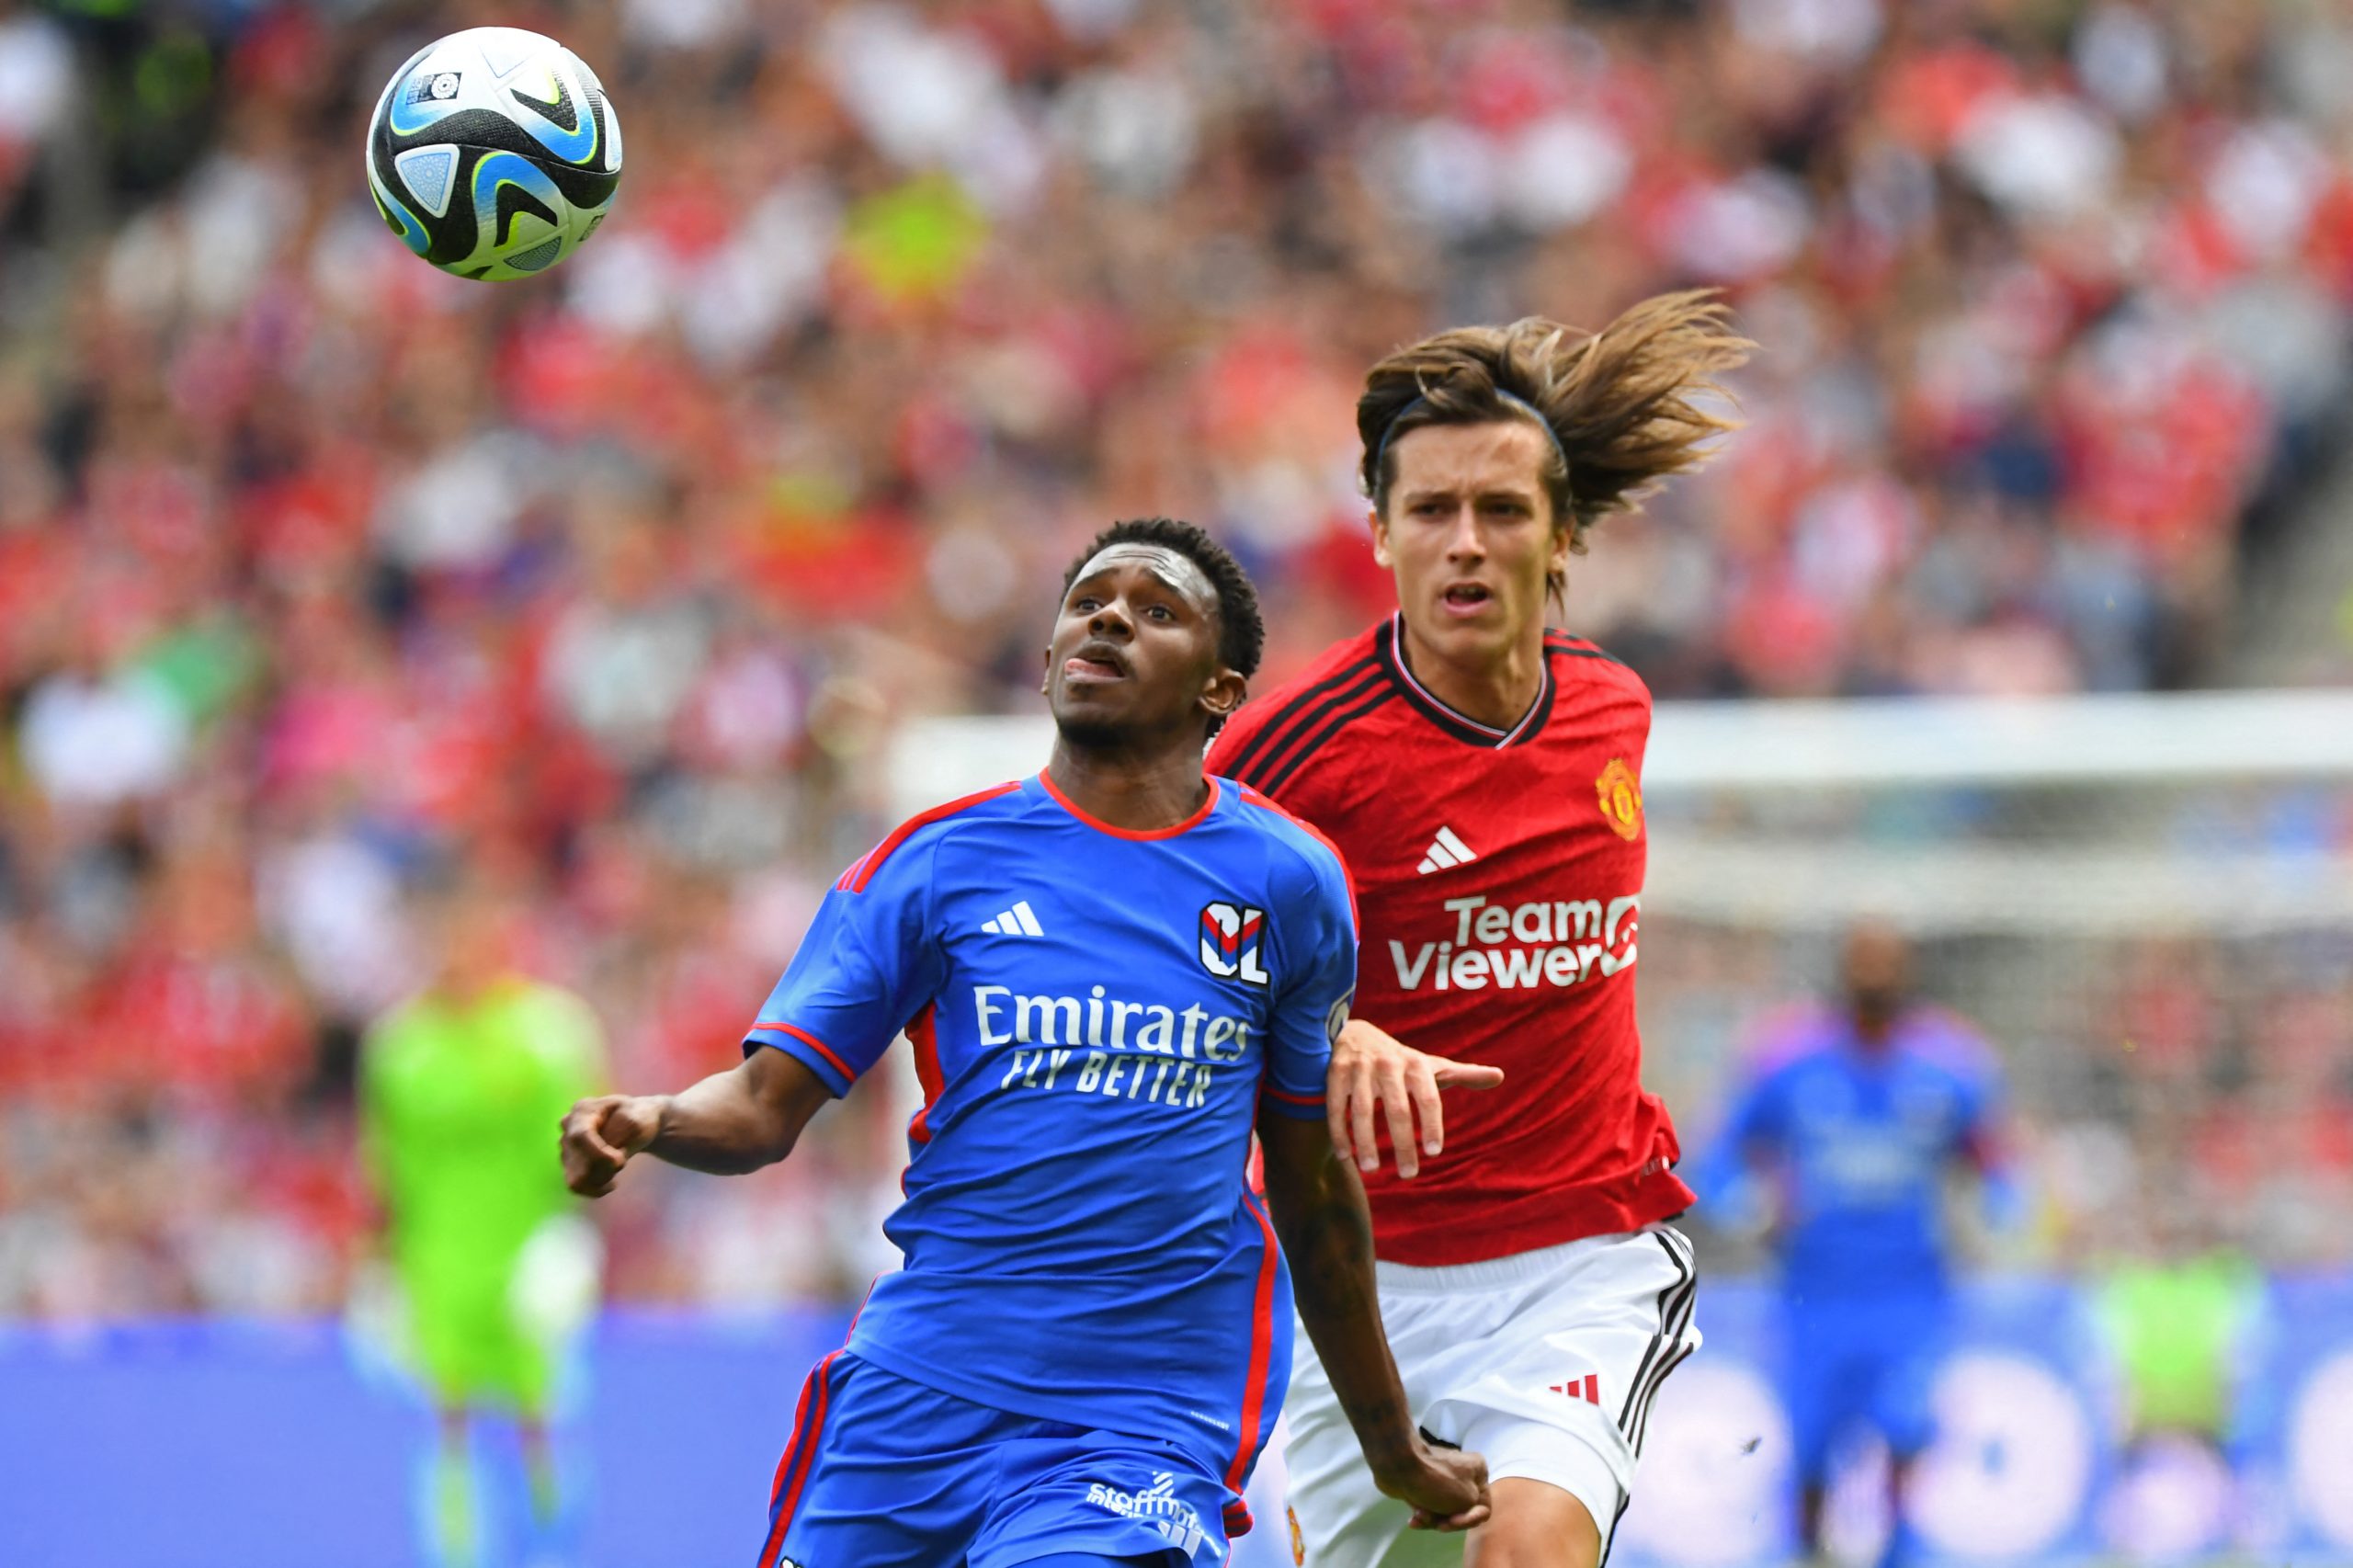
(1300, 720)
(861, 871)
(1273, 1093)
(811, 1041)
(1324, 731)
(1248, 755)
(1348, 876)
(1578, 648)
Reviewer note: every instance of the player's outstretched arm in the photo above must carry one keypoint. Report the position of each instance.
(729, 1123)
(1371, 1069)
(1326, 1233)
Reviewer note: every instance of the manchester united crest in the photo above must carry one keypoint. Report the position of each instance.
(1622, 799)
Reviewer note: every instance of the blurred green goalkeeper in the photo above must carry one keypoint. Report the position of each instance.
(461, 1089)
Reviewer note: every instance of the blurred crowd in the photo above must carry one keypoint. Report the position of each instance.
(319, 569)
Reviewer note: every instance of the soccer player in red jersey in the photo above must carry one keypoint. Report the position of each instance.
(1481, 774)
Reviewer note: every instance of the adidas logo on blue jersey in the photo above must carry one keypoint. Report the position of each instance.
(1019, 921)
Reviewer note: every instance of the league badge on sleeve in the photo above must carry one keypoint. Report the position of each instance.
(1232, 938)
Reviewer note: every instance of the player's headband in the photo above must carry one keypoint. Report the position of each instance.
(1381, 452)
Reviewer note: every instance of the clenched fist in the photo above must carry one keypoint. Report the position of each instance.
(601, 1134)
(1447, 1487)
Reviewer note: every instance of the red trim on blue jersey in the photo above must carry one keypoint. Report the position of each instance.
(1262, 1350)
(1346, 876)
(1269, 1090)
(923, 1033)
(1099, 826)
(811, 1041)
(800, 1458)
(784, 1462)
(861, 870)
(805, 1444)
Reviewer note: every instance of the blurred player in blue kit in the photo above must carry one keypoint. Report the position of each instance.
(1845, 1142)
(1112, 974)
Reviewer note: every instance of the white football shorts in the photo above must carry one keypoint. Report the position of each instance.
(1271, 1543)
(1545, 1363)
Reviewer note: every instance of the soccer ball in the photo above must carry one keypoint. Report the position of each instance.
(493, 153)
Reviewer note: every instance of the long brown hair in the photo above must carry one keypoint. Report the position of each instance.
(1627, 407)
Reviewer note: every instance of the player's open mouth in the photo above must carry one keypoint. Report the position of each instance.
(1465, 597)
(1092, 666)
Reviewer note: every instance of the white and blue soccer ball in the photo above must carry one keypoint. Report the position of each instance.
(493, 153)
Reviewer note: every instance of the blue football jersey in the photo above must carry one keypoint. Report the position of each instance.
(1859, 1142)
(1097, 1017)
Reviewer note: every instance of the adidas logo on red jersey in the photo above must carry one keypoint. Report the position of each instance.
(1446, 851)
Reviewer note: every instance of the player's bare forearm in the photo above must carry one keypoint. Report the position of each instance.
(1319, 1215)
(729, 1123)
(741, 1119)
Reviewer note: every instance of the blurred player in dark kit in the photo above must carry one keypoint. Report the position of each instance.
(1482, 773)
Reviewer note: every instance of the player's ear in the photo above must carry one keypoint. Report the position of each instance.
(1379, 537)
(1046, 672)
(1556, 559)
(1225, 691)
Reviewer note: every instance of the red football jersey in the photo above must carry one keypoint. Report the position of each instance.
(1499, 879)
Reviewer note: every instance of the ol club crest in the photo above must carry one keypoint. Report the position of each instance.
(1232, 936)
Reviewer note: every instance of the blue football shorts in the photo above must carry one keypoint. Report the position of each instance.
(883, 1472)
(1864, 1360)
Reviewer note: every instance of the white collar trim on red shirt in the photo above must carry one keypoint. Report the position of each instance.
(1502, 737)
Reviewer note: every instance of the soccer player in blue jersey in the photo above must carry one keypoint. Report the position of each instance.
(1844, 1141)
(1112, 974)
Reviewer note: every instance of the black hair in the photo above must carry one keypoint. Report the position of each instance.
(1240, 633)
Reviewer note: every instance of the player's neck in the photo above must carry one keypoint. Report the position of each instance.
(1874, 1034)
(1495, 691)
(1135, 791)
